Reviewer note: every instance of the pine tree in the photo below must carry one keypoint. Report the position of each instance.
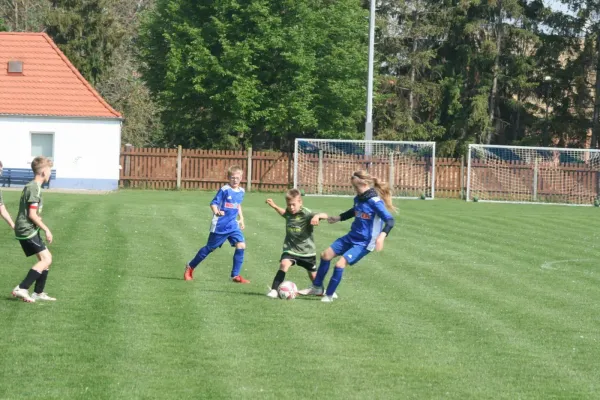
(87, 32)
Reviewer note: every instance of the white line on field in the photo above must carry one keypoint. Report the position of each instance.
(550, 264)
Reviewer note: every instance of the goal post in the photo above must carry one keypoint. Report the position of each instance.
(537, 175)
(323, 167)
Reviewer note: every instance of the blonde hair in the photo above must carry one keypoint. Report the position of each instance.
(39, 163)
(381, 187)
(292, 194)
(233, 169)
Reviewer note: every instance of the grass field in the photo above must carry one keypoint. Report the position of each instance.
(467, 301)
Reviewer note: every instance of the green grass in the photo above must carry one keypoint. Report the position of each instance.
(467, 301)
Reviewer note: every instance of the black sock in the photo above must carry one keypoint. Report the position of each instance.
(41, 282)
(279, 277)
(31, 277)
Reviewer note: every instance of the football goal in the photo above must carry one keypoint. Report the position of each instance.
(543, 175)
(323, 167)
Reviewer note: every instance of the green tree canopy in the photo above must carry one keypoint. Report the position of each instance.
(229, 72)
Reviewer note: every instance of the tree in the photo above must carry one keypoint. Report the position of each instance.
(409, 93)
(87, 32)
(229, 72)
(23, 15)
(121, 84)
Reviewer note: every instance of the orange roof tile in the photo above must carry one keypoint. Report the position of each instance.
(49, 85)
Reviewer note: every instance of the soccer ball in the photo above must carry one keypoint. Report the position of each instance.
(596, 203)
(475, 199)
(287, 290)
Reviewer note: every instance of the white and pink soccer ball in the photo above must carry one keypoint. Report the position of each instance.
(287, 290)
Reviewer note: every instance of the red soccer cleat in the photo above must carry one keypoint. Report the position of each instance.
(239, 279)
(189, 273)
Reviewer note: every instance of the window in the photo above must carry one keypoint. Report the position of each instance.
(42, 144)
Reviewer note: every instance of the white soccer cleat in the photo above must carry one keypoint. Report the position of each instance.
(273, 294)
(23, 294)
(312, 291)
(327, 299)
(42, 296)
(334, 295)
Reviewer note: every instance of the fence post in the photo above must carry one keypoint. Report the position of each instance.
(535, 179)
(462, 177)
(127, 166)
(179, 151)
(249, 172)
(320, 173)
(392, 177)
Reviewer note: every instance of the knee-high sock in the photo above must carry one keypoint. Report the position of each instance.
(40, 284)
(31, 277)
(279, 277)
(238, 260)
(321, 272)
(200, 256)
(335, 280)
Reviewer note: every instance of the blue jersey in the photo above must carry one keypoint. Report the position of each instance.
(370, 215)
(228, 200)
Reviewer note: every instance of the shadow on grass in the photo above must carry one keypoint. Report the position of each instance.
(259, 294)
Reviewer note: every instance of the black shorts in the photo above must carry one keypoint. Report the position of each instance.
(308, 263)
(33, 245)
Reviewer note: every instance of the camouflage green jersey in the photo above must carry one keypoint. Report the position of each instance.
(31, 197)
(299, 240)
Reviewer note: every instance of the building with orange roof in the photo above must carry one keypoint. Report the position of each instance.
(48, 108)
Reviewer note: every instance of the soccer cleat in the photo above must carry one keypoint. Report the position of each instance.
(273, 294)
(312, 291)
(42, 296)
(239, 279)
(23, 294)
(327, 299)
(189, 273)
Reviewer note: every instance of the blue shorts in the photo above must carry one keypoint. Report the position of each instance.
(216, 240)
(353, 253)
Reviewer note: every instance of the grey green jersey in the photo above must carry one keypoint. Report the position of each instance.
(32, 195)
(299, 240)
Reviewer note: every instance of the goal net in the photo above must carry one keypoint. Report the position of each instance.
(533, 174)
(324, 167)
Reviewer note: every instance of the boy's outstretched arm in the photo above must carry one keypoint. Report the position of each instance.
(6, 216)
(275, 207)
(318, 217)
(241, 219)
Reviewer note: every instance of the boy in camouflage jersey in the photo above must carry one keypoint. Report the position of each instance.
(27, 231)
(299, 243)
(3, 212)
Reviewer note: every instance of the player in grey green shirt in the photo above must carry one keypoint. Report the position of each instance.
(27, 230)
(299, 242)
(3, 212)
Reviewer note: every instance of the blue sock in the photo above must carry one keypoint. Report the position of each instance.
(238, 259)
(200, 256)
(321, 272)
(335, 280)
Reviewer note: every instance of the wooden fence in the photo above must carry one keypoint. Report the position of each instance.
(202, 169)
(273, 171)
(153, 168)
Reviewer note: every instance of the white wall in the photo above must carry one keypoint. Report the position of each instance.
(83, 149)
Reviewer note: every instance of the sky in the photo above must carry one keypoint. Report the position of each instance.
(557, 5)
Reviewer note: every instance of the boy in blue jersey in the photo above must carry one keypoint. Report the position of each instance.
(372, 223)
(226, 207)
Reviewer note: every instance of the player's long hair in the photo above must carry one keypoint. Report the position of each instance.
(381, 187)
